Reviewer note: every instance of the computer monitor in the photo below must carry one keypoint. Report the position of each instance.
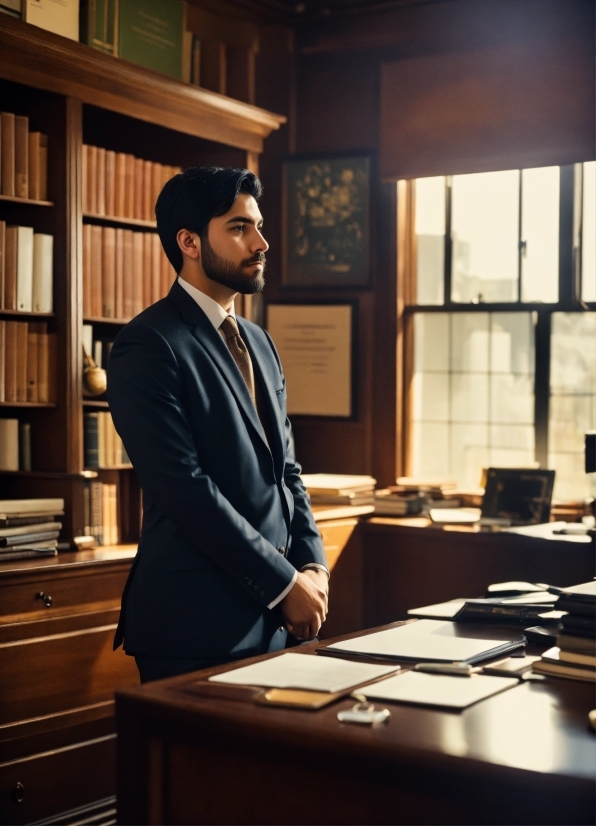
(520, 495)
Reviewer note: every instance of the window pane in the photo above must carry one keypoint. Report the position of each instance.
(572, 408)
(540, 232)
(475, 408)
(430, 240)
(485, 236)
(589, 233)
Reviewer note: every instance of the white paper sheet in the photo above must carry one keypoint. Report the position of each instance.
(304, 672)
(425, 640)
(437, 689)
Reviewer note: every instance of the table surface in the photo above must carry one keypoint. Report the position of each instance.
(540, 726)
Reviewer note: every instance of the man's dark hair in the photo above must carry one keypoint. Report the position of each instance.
(190, 200)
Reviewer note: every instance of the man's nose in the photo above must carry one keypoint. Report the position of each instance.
(259, 244)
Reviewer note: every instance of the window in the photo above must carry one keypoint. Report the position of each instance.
(503, 328)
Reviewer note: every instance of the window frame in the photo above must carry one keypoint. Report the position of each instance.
(569, 301)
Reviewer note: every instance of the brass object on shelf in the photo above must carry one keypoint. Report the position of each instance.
(95, 379)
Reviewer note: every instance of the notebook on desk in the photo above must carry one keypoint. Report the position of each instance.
(423, 641)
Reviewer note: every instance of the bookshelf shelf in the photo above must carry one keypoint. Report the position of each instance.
(28, 404)
(24, 314)
(121, 222)
(94, 403)
(110, 467)
(14, 200)
(101, 320)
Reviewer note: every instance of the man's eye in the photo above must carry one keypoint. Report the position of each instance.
(240, 227)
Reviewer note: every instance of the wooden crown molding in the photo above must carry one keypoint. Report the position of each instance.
(34, 57)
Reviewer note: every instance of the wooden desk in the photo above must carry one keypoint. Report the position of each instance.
(523, 756)
(389, 565)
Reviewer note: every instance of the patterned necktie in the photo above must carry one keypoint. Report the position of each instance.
(240, 354)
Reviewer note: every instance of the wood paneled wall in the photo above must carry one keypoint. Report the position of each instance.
(526, 74)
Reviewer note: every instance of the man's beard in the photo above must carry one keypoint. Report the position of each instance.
(229, 274)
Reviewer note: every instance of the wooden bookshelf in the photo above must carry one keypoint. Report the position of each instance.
(24, 314)
(29, 201)
(121, 222)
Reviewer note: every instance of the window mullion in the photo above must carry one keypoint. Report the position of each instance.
(567, 287)
(542, 335)
(448, 241)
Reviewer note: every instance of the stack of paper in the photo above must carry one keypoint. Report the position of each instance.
(302, 671)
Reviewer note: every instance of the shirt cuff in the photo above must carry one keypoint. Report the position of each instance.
(285, 591)
(317, 567)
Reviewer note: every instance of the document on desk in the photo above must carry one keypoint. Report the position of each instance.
(301, 671)
(437, 689)
(422, 641)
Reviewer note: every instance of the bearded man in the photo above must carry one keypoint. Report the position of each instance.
(230, 559)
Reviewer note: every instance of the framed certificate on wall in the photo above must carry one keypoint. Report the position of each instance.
(315, 345)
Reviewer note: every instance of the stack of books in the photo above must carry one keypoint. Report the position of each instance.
(23, 159)
(27, 362)
(28, 527)
(123, 272)
(117, 185)
(574, 656)
(27, 268)
(103, 445)
(393, 502)
(100, 503)
(339, 489)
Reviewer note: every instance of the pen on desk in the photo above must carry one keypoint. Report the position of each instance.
(448, 669)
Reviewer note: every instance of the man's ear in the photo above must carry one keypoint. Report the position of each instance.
(189, 243)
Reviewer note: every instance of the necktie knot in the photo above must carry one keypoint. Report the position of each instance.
(229, 327)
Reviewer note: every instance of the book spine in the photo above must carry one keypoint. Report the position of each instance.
(9, 444)
(43, 254)
(147, 269)
(109, 273)
(155, 268)
(32, 361)
(156, 185)
(91, 440)
(21, 356)
(87, 268)
(120, 185)
(92, 179)
(25, 269)
(34, 183)
(43, 167)
(128, 280)
(7, 153)
(10, 268)
(10, 361)
(129, 187)
(85, 161)
(21, 156)
(110, 184)
(87, 508)
(100, 190)
(43, 383)
(96, 511)
(2, 360)
(139, 213)
(52, 367)
(96, 271)
(2, 261)
(24, 446)
(27, 539)
(147, 190)
(137, 272)
(119, 274)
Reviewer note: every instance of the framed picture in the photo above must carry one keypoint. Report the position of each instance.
(326, 221)
(316, 348)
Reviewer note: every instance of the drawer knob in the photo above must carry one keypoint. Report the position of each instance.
(19, 792)
(46, 598)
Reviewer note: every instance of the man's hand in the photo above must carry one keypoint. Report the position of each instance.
(305, 607)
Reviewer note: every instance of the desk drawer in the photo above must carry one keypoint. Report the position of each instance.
(335, 536)
(57, 780)
(45, 675)
(63, 593)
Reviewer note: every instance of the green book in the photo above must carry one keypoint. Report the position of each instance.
(99, 25)
(150, 33)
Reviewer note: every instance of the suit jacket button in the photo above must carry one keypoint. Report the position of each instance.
(281, 628)
(281, 549)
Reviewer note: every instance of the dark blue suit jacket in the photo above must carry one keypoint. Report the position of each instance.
(226, 518)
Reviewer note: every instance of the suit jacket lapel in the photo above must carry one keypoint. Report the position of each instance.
(215, 347)
(258, 360)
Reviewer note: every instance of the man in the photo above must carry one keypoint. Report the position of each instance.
(230, 559)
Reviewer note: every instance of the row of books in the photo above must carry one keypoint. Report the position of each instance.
(98, 348)
(23, 159)
(15, 445)
(339, 489)
(103, 446)
(123, 272)
(27, 362)
(28, 527)
(26, 269)
(118, 185)
(100, 503)
(574, 656)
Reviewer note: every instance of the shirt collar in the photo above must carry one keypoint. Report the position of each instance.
(214, 311)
